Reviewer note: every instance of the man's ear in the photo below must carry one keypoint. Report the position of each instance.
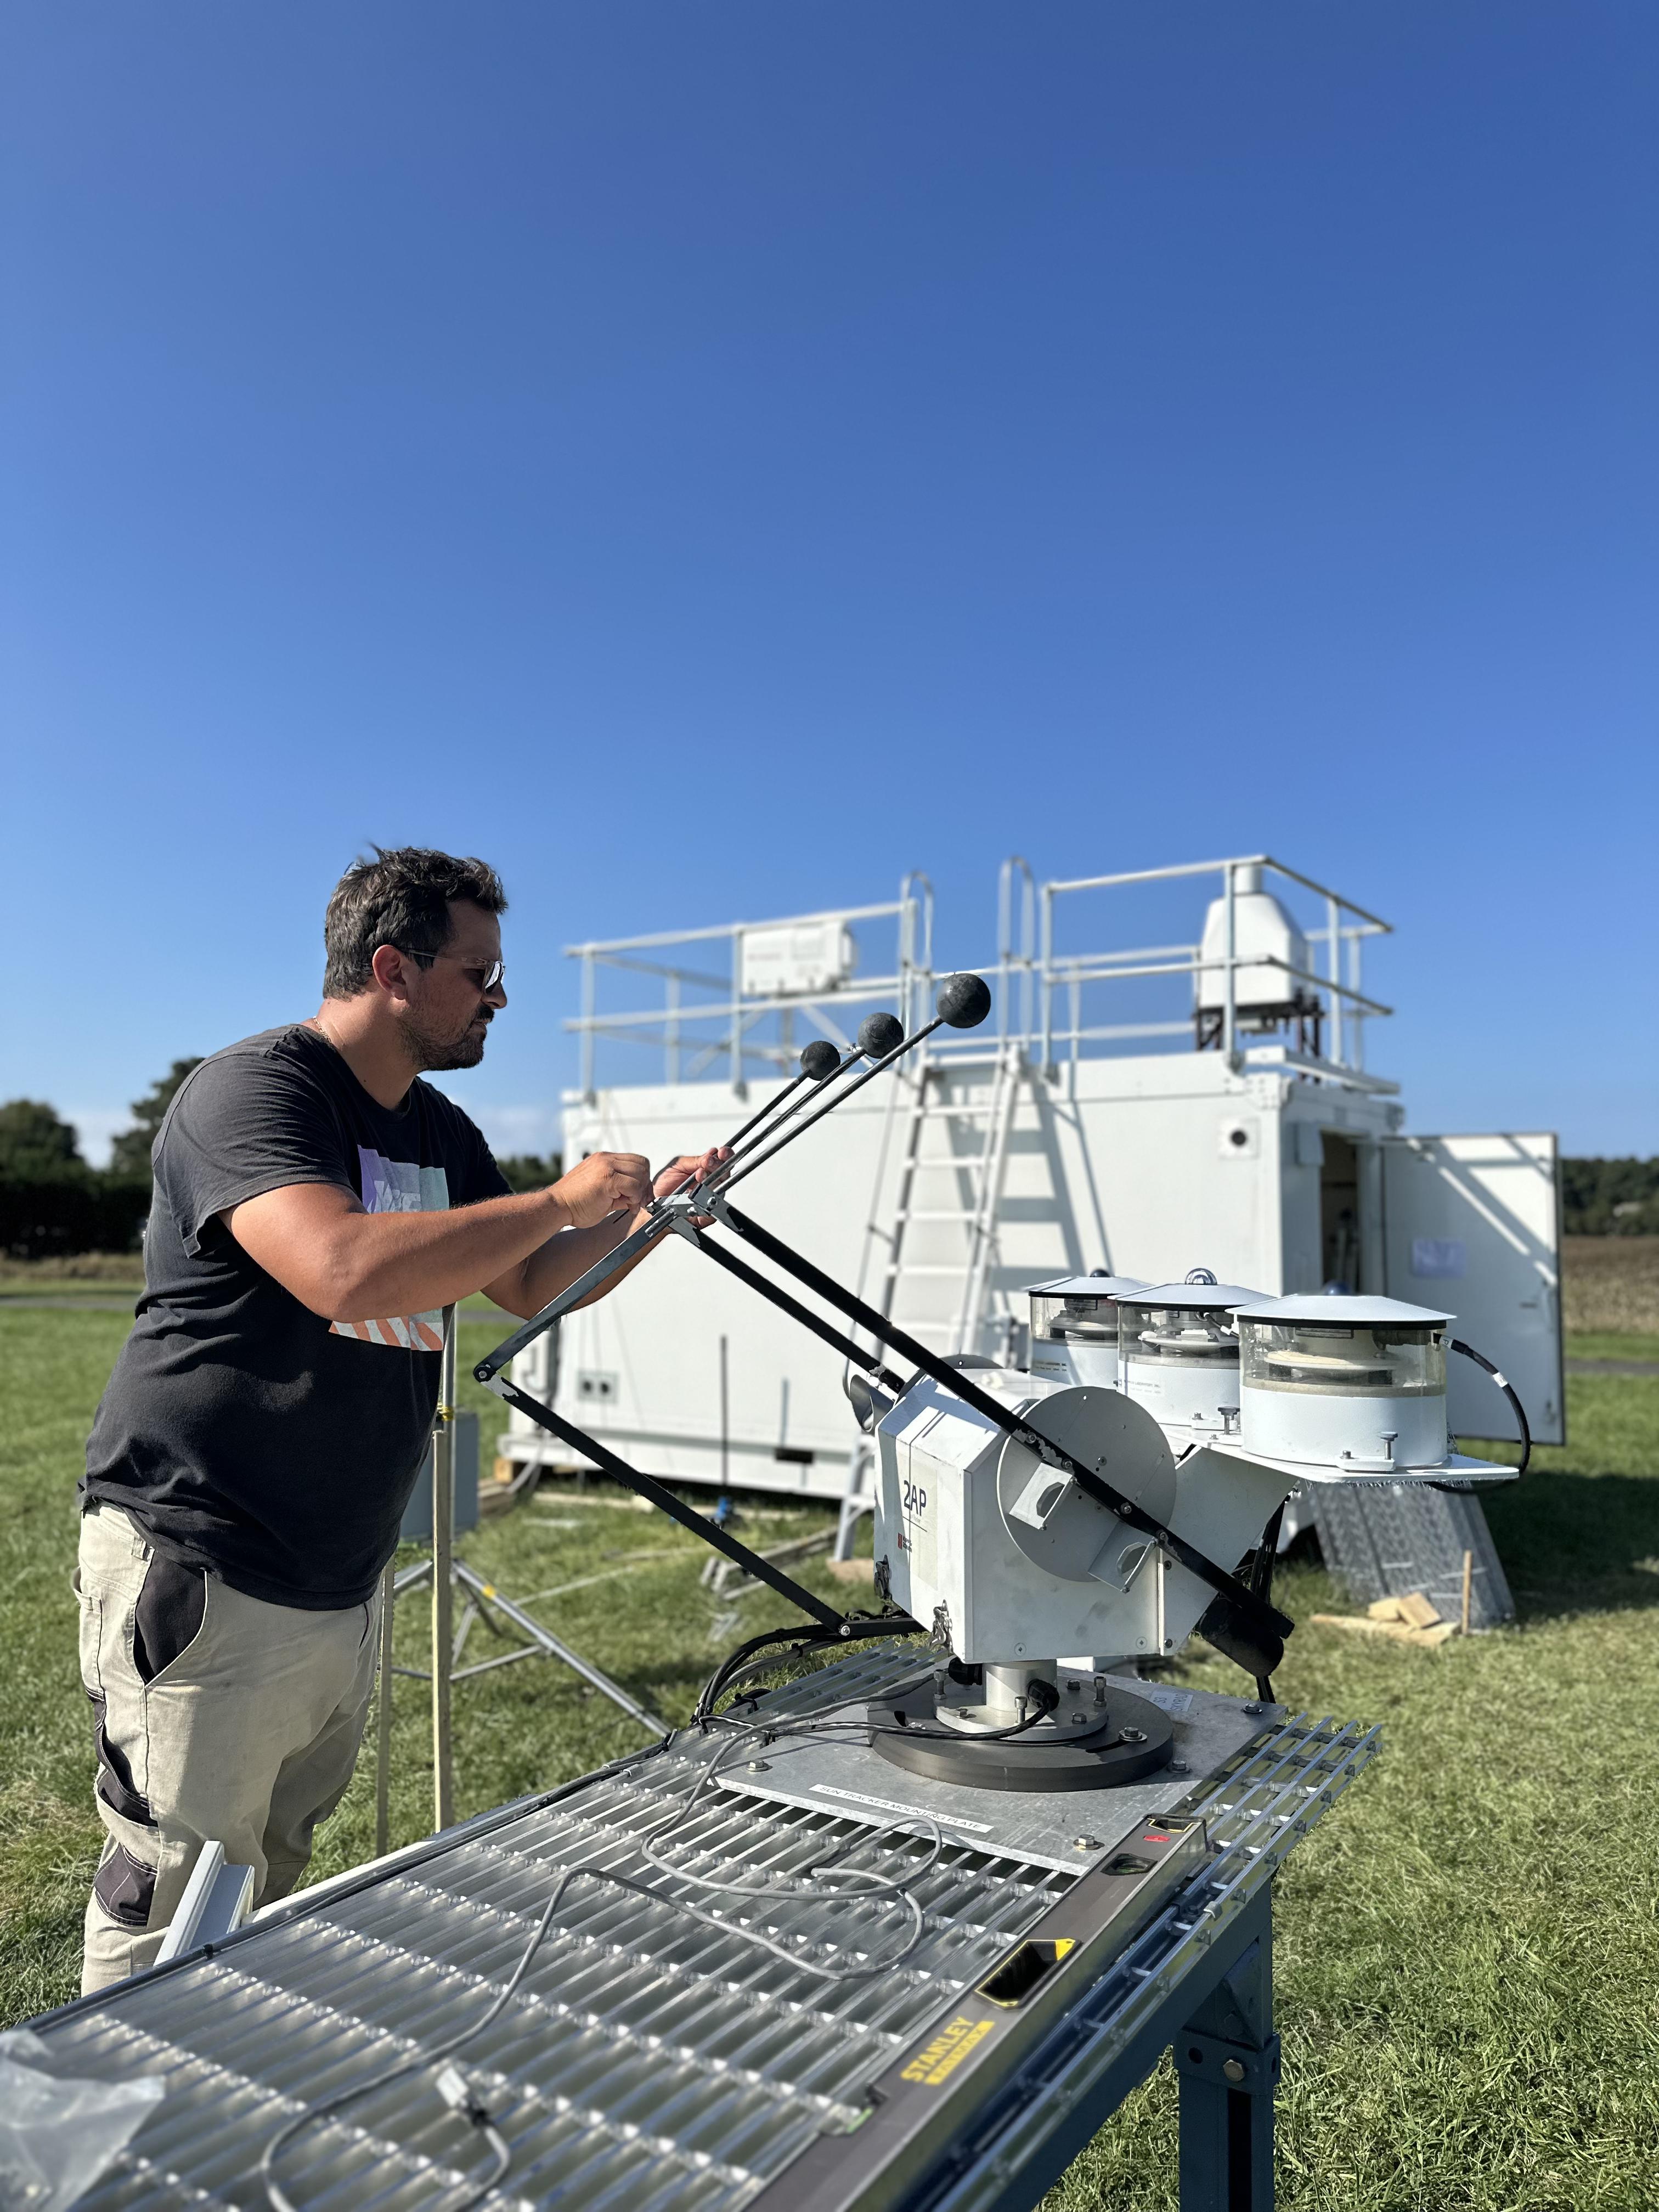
(391, 970)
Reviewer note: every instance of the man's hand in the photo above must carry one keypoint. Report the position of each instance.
(690, 1167)
(603, 1184)
(564, 1259)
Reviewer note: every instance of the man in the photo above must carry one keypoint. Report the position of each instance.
(316, 1207)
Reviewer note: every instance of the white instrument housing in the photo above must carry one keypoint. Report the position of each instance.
(1010, 1563)
(1178, 1356)
(1357, 1383)
(1006, 1556)
(1074, 1327)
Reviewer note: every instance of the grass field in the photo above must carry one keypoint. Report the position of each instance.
(1467, 1947)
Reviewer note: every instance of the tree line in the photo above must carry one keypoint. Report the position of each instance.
(54, 1202)
(1610, 1198)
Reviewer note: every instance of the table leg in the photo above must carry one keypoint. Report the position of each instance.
(1227, 2059)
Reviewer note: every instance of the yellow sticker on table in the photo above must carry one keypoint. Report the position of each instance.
(946, 2051)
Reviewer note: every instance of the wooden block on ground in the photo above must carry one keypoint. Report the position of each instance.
(1418, 1611)
(853, 1570)
(1385, 1608)
(504, 1470)
(1361, 1625)
(1396, 1632)
(564, 1498)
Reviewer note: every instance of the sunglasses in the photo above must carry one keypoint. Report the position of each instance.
(484, 978)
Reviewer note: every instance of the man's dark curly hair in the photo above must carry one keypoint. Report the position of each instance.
(400, 897)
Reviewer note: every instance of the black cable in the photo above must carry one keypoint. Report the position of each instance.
(732, 1664)
(854, 1629)
(1044, 1706)
(1504, 1385)
(1045, 1696)
(1261, 1572)
(858, 1731)
(1262, 1581)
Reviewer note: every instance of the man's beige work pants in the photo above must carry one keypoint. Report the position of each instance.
(247, 1734)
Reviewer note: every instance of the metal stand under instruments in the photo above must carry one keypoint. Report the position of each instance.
(443, 1572)
(443, 1580)
(1052, 1971)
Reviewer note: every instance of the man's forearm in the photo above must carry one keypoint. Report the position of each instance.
(349, 1265)
(438, 1272)
(393, 1263)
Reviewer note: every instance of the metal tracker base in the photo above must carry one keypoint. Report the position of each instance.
(649, 2061)
(1131, 1738)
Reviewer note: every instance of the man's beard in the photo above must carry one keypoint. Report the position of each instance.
(433, 1054)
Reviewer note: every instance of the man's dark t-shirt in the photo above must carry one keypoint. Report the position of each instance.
(243, 1432)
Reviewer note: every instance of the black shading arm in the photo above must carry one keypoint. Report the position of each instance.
(601, 1271)
(646, 1485)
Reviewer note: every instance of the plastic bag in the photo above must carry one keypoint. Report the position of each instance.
(57, 2133)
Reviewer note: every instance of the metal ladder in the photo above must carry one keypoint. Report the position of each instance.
(930, 1108)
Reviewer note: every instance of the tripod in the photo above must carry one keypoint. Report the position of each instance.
(446, 1574)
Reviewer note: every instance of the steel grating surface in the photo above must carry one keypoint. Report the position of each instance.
(647, 2060)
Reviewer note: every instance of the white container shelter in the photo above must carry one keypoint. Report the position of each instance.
(1140, 1108)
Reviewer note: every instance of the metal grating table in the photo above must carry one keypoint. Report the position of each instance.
(650, 2060)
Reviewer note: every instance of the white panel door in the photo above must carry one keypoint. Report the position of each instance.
(1471, 1225)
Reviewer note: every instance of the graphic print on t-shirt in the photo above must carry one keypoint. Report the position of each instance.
(399, 1187)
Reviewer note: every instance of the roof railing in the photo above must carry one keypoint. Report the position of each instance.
(706, 1016)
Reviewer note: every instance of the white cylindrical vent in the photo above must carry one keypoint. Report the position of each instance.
(1356, 1384)
(1074, 1327)
(1178, 1356)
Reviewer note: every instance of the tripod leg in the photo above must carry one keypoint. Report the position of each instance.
(551, 1646)
(469, 1615)
(383, 1717)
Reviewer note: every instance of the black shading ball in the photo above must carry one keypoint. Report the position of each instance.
(878, 1035)
(819, 1059)
(963, 1001)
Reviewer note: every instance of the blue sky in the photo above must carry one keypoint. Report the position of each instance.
(712, 458)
